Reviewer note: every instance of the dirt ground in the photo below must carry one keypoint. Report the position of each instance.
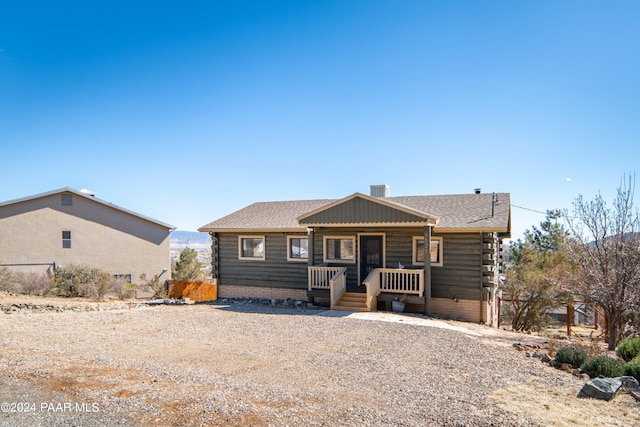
(245, 364)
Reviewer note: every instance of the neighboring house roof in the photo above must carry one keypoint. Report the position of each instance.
(459, 212)
(88, 197)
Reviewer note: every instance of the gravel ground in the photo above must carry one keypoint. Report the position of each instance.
(244, 364)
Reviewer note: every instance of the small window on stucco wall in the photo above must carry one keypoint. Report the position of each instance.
(436, 251)
(67, 200)
(66, 239)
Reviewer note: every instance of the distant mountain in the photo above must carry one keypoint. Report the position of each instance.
(192, 239)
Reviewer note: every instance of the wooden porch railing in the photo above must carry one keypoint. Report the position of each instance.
(393, 280)
(401, 281)
(319, 277)
(372, 282)
(338, 285)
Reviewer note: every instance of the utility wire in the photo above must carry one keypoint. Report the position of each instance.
(527, 209)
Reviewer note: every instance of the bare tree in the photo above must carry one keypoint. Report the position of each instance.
(605, 251)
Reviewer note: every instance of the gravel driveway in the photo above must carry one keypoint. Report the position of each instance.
(210, 364)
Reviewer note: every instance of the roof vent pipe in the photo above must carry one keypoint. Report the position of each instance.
(380, 190)
(477, 190)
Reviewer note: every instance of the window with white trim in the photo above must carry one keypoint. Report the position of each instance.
(297, 248)
(251, 248)
(339, 249)
(66, 239)
(436, 251)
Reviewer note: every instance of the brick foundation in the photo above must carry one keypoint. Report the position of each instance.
(468, 310)
(228, 291)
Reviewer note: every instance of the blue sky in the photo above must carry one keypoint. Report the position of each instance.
(187, 111)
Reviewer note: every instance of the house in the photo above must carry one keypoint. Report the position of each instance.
(42, 232)
(365, 251)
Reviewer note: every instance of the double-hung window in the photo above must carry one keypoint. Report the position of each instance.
(66, 239)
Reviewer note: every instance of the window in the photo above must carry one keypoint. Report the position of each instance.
(66, 240)
(251, 247)
(436, 251)
(339, 249)
(122, 278)
(67, 200)
(297, 248)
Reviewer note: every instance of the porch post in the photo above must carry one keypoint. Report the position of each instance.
(427, 270)
(310, 247)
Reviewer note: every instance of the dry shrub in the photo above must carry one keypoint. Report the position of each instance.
(81, 281)
(33, 283)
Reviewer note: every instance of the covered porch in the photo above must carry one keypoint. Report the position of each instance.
(382, 284)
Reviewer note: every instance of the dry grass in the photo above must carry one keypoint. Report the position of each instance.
(559, 407)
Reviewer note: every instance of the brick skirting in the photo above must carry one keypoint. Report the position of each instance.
(468, 310)
(229, 291)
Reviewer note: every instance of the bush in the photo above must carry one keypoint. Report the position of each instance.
(7, 281)
(628, 349)
(603, 365)
(632, 368)
(122, 288)
(81, 281)
(160, 289)
(33, 283)
(571, 355)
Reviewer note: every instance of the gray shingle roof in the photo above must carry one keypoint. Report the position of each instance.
(457, 212)
(88, 197)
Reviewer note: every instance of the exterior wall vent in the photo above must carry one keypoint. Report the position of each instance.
(380, 190)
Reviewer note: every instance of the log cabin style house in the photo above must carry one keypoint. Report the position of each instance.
(440, 255)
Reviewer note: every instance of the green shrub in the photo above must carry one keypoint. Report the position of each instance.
(632, 368)
(81, 281)
(628, 349)
(603, 365)
(571, 355)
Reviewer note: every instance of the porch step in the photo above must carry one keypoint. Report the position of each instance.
(351, 301)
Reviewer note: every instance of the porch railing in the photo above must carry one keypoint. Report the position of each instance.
(319, 277)
(372, 282)
(338, 285)
(401, 281)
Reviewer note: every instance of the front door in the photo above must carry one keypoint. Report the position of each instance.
(371, 256)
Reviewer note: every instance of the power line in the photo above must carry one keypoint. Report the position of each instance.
(527, 209)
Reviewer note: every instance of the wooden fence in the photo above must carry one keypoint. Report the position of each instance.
(195, 291)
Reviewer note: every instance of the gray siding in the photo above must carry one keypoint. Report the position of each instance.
(274, 271)
(361, 211)
(461, 273)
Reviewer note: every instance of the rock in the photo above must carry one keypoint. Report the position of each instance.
(576, 373)
(519, 347)
(630, 383)
(635, 394)
(585, 377)
(601, 388)
(566, 367)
